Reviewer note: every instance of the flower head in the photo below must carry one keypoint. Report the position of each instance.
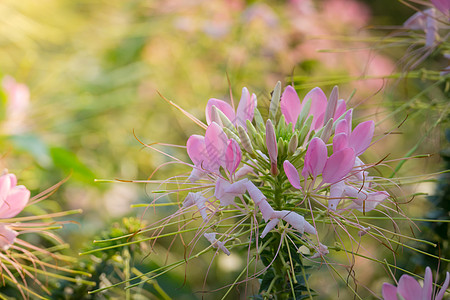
(409, 289)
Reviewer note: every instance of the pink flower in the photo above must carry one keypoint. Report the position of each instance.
(442, 5)
(213, 151)
(272, 147)
(7, 237)
(409, 289)
(245, 110)
(332, 168)
(13, 197)
(291, 106)
(359, 139)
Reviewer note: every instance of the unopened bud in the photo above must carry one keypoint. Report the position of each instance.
(331, 106)
(272, 147)
(275, 102)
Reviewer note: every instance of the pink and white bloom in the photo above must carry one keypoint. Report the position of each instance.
(409, 289)
(244, 112)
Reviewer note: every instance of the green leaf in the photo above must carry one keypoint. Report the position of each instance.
(69, 162)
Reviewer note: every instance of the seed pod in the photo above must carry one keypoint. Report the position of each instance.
(245, 139)
(275, 102)
(293, 143)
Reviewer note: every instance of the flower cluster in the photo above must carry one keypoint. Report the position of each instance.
(265, 181)
(22, 262)
(259, 164)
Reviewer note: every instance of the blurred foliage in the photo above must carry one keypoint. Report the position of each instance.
(94, 68)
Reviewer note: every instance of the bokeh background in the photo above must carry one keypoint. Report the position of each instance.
(94, 70)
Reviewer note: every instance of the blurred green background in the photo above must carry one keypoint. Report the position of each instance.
(93, 69)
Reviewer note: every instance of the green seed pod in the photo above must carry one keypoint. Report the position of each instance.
(293, 143)
(226, 122)
(245, 139)
(215, 116)
(303, 114)
(230, 134)
(275, 102)
(304, 130)
(281, 125)
(327, 129)
(260, 127)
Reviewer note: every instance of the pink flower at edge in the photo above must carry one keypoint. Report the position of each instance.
(244, 112)
(13, 197)
(409, 289)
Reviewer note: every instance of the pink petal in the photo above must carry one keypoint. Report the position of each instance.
(222, 106)
(243, 171)
(318, 105)
(216, 144)
(416, 21)
(233, 156)
(246, 108)
(342, 127)
(255, 193)
(196, 174)
(290, 105)
(340, 109)
(271, 225)
(361, 137)
(15, 202)
(7, 237)
(237, 188)
(336, 194)
(442, 5)
(338, 165)
(292, 174)
(220, 192)
(196, 149)
(373, 200)
(431, 28)
(267, 211)
(409, 288)
(5, 186)
(441, 293)
(296, 221)
(389, 291)
(315, 158)
(323, 250)
(427, 289)
(340, 141)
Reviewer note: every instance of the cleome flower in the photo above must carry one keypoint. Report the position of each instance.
(263, 184)
(20, 261)
(409, 289)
